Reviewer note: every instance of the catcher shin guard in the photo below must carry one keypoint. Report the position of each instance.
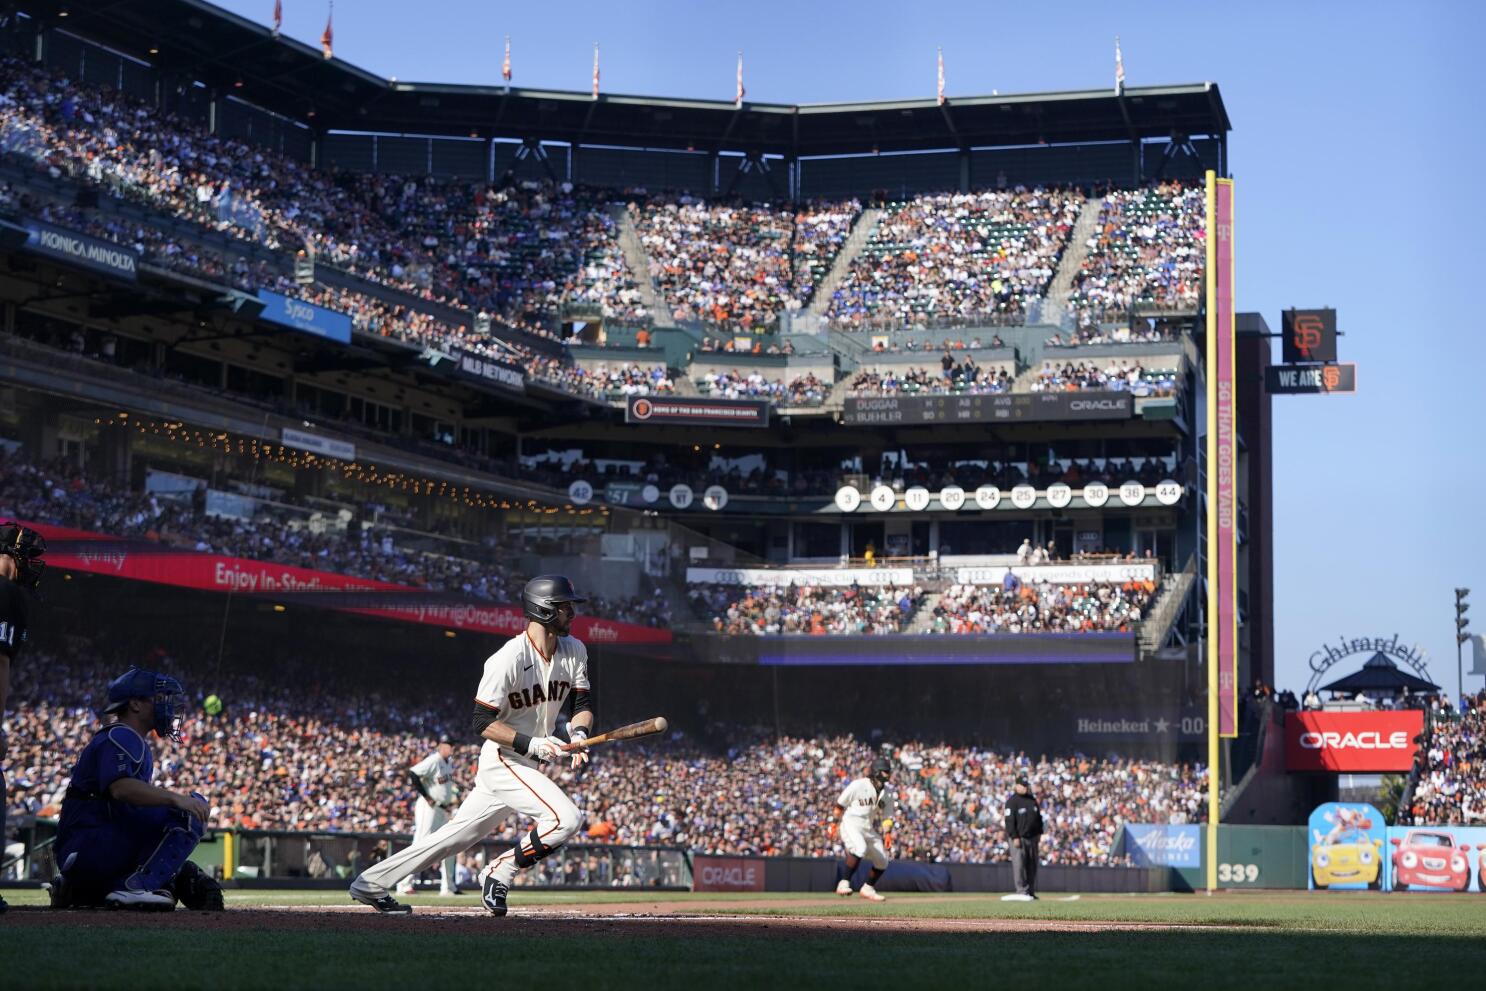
(538, 850)
(165, 862)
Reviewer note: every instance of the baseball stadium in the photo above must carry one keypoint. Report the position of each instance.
(687, 540)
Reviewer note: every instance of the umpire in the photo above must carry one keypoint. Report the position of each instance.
(21, 565)
(1024, 829)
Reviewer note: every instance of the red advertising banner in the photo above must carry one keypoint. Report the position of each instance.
(1222, 458)
(142, 560)
(1361, 742)
(727, 873)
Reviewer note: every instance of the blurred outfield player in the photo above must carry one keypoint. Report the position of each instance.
(433, 776)
(863, 806)
(21, 565)
(523, 687)
(122, 841)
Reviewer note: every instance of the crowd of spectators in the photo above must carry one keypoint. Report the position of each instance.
(1136, 332)
(320, 753)
(957, 255)
(814, 610)
(723, 263)
(521, 249)
(1127, 376)
(1150, 249)
(1029, 607)
(801, 390)
(1450, 788)
(953, 378)
(58, 494)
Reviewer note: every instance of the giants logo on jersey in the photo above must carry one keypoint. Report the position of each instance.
(556, 691)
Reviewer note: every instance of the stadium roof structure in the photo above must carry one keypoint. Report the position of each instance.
(236, 56)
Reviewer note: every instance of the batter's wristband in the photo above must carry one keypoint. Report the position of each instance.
(522, 744)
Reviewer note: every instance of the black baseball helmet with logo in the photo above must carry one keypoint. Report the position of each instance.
(542, 595)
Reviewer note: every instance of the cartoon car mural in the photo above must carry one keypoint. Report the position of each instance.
(1351, 857)
(1431, 859)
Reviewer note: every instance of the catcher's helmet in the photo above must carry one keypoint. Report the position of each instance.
(26, 546)
(166, 693)
(541, 596)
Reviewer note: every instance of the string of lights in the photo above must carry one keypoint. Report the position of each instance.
(224, 442)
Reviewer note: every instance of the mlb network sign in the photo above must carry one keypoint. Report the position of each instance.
(1361, 742)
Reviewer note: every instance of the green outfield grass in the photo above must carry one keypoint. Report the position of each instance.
(1277, 940)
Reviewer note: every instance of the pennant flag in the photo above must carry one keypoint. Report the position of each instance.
(278, 16)
(941, 77)
(505, 66)
(1119, 68)
(325, 39)
(738, 99)
(595, 70)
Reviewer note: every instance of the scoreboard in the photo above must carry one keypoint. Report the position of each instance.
(1025, 407)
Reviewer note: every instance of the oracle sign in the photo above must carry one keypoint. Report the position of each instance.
(727, 873)
(1352, 741)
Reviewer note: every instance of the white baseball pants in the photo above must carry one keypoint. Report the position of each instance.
(863, 843)
(511, 786)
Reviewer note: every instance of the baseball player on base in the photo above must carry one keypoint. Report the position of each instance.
(523, 686)
(433, 776)
(863, 806)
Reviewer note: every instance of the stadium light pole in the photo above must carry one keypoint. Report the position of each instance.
(1462, 634)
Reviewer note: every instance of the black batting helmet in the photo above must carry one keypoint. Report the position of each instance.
(27, 547)
(882, 768)
(541, 596)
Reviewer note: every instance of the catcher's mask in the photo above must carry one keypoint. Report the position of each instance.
(165, 692)
(26, 547)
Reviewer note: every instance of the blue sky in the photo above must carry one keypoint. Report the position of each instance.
(1354, 147)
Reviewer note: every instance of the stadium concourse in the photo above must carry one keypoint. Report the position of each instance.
(334, 759)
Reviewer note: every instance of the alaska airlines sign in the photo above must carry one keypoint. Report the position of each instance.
(1323, 659)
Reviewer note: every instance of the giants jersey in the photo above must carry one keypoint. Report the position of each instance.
(525, 690)
(437, 775)
(865, 806)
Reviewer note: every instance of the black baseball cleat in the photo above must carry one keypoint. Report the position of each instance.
(383, 903)
(494, 896)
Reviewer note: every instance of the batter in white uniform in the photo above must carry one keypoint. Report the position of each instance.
(863, 805)
(433, 776)
(521, 691)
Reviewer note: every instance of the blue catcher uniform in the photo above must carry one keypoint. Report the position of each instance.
(106, 848)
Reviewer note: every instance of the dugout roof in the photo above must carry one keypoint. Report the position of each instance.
(242, 58)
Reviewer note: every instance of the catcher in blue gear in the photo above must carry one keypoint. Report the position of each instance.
(122, 841)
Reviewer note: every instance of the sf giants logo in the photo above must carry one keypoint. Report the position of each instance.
(556, 692)
(1306, 332)
(1331, 377)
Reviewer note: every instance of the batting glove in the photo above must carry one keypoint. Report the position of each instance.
(577, 735)
(544, 748)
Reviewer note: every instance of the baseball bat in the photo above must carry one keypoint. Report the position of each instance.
(647, 727)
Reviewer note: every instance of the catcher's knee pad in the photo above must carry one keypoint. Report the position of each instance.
(538, 849)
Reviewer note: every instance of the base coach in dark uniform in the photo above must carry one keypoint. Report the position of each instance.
(1024, 830)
